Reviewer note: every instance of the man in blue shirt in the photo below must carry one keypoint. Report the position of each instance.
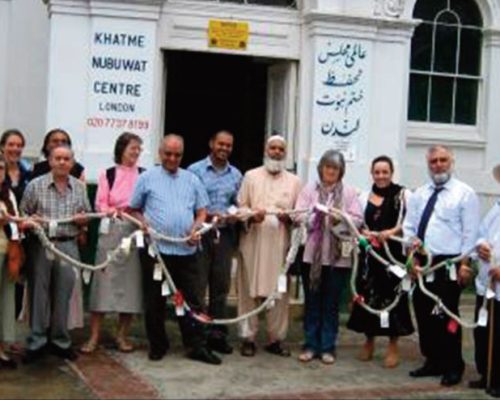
(222, 182)
(173, 201)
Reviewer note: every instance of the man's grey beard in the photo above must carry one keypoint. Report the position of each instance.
(274, 166)
(441, 178)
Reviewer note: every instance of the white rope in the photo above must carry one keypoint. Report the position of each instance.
(244, 214)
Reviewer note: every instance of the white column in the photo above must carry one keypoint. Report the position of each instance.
(102, 71)
(4, 40)
(491, 115)
(354, 91)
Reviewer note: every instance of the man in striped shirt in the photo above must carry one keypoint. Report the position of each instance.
(222, 182)
(173, 201)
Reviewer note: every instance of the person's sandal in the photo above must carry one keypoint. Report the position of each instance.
(306, 356)
(327, 358)
(124, 345)
(88, 347)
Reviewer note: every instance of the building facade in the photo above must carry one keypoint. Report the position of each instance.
(368, 77)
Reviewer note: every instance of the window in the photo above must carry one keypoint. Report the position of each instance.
(445, 70)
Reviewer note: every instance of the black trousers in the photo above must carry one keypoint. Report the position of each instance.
(481, 339)
(184, 271)
(441, 348)
(215, 260)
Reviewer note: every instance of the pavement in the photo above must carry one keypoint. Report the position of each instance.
(108, 374)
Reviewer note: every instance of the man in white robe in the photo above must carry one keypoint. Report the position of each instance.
(264, 244)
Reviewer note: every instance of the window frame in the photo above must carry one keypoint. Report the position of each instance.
(296, 6)
(466, 133)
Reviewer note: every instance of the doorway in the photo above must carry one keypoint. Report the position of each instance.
(207, 92)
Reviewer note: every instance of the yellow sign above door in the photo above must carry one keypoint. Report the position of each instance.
(228, 34)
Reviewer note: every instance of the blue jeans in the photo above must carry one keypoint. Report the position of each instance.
(321, 319)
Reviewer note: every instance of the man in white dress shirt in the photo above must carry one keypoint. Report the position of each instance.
(489, 253)
(443, 214)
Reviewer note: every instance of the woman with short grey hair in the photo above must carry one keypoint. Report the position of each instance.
(327, 256)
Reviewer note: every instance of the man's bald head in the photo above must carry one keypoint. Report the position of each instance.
(171, 152)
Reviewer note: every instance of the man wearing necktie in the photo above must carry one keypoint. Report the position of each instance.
(443, 214)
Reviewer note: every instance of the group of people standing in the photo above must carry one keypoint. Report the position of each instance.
(443, 214)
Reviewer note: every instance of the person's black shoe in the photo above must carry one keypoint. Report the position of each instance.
(248, 349)
(205, 355)
(66, 354)
(425, 370)
(478, 384)
(451, 378)
(278, 349)
(220, 345)
(8, 363)
(31, 356)
(494, 392)
(156, 356)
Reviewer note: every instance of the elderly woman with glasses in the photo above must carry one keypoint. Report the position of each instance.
(118, 288)
(327, 256)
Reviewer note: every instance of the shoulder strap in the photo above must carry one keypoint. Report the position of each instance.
(110, 176)
(402, 206)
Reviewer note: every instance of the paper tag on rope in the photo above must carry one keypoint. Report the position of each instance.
(179, 311)
(452, 273)
(271, 304)
(126, 243)
(104, 226)
(490, 294)
(398, 271)
(429, 277)
(151, 251)
(157, 273)
(322, 208)
(245, 328)
(86, 274)
(406, 284)
(139, 239)
(282, 283)
(50, 256)
(482, 319)
(52, 229)
(14, 231)
(384, 319)
(346, 249)
(165, 290)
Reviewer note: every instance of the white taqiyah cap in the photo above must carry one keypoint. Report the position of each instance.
(274, 138)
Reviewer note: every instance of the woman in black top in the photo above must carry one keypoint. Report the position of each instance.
(385, 207)
(53, 138)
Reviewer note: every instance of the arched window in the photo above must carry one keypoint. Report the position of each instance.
(445, 71)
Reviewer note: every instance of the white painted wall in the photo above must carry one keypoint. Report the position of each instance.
(24, 48)
(385, 25)
(4, 40)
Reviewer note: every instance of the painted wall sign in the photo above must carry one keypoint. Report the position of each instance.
(120, 84)
(228, 34)
(340, 96)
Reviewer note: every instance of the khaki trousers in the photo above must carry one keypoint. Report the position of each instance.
(276, 317)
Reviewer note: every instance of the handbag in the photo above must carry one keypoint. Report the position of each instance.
(15, 259)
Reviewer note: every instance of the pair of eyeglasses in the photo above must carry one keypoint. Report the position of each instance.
(172, 154)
